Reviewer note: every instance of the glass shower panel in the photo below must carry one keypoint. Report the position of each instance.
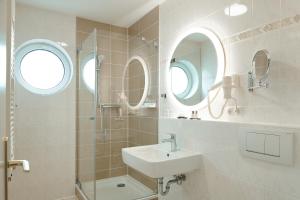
(86, 115)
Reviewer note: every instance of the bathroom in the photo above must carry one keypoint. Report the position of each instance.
(149, 99)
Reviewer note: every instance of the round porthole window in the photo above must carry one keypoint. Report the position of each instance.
(180, 85)
(184, 79)
(43, 67)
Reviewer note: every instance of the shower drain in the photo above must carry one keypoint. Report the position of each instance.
(121, 185)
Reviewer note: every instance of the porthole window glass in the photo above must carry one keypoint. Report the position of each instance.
(184, 79)
(43, 67)
(180, 83)
(88, 73)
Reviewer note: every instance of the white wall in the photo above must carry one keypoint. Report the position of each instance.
(225, 174)
(278, 104)
(2, 89)
(45, 125)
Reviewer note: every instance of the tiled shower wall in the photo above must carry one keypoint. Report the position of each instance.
(132, 128)
(112, 136)
(142, 127)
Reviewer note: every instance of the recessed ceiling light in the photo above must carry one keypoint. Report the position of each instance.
(235, 9)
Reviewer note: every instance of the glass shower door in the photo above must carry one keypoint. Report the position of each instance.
(86, 116)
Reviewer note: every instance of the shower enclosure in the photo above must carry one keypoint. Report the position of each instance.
(102, 130)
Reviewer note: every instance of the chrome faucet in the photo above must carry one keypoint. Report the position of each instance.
(173, 142)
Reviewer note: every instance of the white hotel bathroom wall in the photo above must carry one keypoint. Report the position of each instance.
(224, 173)
(269, 24)
(45, 125)
(242, 36)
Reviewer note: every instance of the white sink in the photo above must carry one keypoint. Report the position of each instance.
(155, 161)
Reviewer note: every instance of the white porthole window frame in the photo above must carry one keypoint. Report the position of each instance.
(52, 47)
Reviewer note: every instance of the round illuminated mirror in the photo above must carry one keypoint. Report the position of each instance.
(196, 65)
(135, 82)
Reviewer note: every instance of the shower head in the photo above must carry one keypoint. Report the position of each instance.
(100, 58)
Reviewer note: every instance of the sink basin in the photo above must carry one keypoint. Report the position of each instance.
(156, 162)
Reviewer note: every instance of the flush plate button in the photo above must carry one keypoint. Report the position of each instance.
(255, 142)
(270, 145)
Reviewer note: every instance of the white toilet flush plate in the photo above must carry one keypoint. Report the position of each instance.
(275, 146)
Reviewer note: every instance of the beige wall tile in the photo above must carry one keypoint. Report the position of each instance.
(149, 19)
(118, 171)
(102, 174)
(119, 45)
(118, 58)
(102, 163)
(117, 162)
(116, 147)
(118, 32)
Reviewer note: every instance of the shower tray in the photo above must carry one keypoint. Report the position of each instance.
(123, 187)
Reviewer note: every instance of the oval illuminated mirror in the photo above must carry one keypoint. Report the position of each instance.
(135, 82)
(196, 65)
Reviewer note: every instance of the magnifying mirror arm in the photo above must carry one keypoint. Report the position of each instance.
(263, 83)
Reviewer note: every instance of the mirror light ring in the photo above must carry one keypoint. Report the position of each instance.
(221, 63)
(146, 87)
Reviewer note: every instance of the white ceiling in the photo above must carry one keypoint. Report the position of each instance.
(117, 12)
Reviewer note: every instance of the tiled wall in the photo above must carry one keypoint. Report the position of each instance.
(45, 125)
(133, 128)
(224, 173)
(269, 24)
(142, 127)
(112, 44)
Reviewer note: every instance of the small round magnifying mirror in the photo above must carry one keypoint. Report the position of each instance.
(135, 82)
(261, 64)
(258, 76)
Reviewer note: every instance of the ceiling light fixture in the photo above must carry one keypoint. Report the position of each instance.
(235, 9)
